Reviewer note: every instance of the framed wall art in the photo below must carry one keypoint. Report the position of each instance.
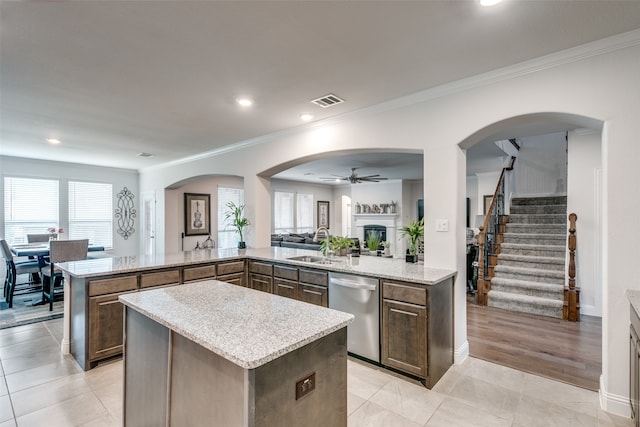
(323, 214)
(197, 214)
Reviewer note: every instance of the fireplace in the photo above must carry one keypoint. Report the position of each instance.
(385, 224)
(381, 230)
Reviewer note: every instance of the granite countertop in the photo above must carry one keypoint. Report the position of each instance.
(366, 265)
(246, 327)
(634, 299)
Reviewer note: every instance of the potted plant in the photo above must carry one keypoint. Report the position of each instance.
(235, 215)
(415, 232)
(337, 244)
(373, 241)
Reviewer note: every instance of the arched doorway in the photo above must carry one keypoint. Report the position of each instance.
(510, 339)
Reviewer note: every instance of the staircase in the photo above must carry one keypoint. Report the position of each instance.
(530, 273)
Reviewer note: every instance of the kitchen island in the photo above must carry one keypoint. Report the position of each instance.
(232, 356)
(416, 302)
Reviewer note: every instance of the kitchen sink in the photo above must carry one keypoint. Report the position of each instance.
(313, 259)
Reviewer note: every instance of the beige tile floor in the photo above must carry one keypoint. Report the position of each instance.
(40, 387)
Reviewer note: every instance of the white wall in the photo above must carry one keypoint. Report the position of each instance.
(65, 172)
(585, 167)
(542, 165)
(174, 211)
(596, 82)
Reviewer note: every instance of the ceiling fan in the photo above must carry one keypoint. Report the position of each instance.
(354, 178)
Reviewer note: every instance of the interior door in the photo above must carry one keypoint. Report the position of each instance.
(149, 223)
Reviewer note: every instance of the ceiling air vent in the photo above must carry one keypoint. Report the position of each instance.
(327, 101)
(145, 155)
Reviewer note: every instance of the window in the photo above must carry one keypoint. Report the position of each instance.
(304, 213)
(90, 212)
(227, 236)
(30, 207)
(284, 206)
(283, 212)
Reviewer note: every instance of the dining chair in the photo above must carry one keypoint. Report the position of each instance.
(60, 251)
(37, 238)
(14, 269)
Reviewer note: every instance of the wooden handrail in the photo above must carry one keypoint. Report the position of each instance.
(484, 285)
(571, 304)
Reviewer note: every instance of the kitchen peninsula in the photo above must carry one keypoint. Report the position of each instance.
(416, 319)
(232, 356)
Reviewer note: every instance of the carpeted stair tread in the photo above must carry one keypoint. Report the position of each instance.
(528, 261)
(524, 287)
(519, 201)
(538, 209)
(525, 303)
(542, 273)
(530, 228)
(537, 219)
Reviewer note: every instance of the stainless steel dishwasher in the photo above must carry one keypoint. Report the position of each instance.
(359, 296)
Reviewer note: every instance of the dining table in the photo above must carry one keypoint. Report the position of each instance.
(40, 250)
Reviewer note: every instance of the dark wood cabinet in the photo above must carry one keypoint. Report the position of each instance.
(318, 295)
(404, 343)
(105, 320)
(261, 276)
(634, 367)
(417, 328)
(232, 272)
(285, 288)
(313, 287)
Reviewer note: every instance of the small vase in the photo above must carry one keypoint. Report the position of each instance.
(242, 245)
(411, 258)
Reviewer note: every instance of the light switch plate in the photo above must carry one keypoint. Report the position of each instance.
(442, 225)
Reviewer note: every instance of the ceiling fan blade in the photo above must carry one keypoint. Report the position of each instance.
(369, 176)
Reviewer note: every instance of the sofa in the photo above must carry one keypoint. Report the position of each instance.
(296, 241)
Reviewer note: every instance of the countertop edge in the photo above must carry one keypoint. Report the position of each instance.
(634, 298)
(243, 363)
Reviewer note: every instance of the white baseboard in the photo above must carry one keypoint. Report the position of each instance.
(461, 353)
(613, 403)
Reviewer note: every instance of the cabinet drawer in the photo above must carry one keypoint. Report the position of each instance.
(262, 283)
(404, 292)
(197, 273)
(314, 277)
(235, 279)
(260, 268)
(110, 286)
(161, 278)
(318, 295)
(285, 272)
(285, 288)
(230, 267)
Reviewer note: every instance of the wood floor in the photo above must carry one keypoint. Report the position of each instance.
(552, 348)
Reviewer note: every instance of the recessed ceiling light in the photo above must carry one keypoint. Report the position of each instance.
(306, 117)
(489, 2)
(245, 102)
(53, 141)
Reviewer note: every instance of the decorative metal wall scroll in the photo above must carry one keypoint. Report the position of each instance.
(125, 213)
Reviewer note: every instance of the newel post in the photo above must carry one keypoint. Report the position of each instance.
(571, 305)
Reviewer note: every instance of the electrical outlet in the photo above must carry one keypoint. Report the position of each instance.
(305, 385)
(442, 225)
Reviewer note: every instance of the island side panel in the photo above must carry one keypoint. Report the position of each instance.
(440, 335)
(205, 387)
(146, 360)
(79, 322)
(275, 386)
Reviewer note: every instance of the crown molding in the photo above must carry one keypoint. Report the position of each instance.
(553, 60)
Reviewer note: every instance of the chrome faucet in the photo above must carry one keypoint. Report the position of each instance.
(318, 231)
(322, 230)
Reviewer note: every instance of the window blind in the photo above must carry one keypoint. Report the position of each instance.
(283, 212)
(227, 236)
(90, 212)
(30, 207)
(304, 213)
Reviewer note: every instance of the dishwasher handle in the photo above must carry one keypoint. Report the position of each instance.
(352, 284)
